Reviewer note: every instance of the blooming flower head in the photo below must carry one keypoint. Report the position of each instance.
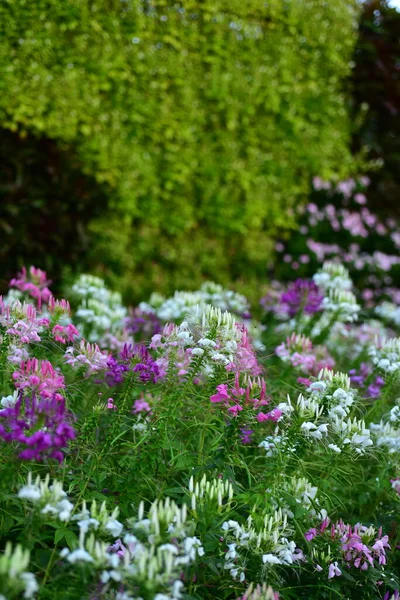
(333, 276)
(34, 283)
(39, 376)
(40, 426)
(211, 339)
(86, 355)
(385, 354)
(65, 333)
(301, 296)
(16, 581)
(22, 321)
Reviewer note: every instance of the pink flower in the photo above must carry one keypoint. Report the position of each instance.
(310, 534)
(274, 415)
(65, 333)
(235, 409)
(141, 405)
(110, 404)
(360, 199)
(222, 395)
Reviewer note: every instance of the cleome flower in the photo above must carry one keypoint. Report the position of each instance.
(333, 276)
(385, 354)
(49, 500)
(16, 581)
(208, 340)
(342, 303)
(41, 427)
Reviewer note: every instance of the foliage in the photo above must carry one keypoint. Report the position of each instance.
(338, 223)
(192, 466)
(202, 124)
(376, 94)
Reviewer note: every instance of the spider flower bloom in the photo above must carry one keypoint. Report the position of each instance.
(58, 307)
(87, 355)
(39, 376)
(33, 283)
(22, 321)
(298, 351)
(302, 295)
(210, 339)
(65, 333)
(40, 426)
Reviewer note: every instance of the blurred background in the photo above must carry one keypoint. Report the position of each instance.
(161, 143)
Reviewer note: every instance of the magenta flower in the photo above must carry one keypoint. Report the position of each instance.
(222, 395)
(33, 283)
(273, 415)
(64, 334)
(310, 534)
(39, 377)
(235, 409)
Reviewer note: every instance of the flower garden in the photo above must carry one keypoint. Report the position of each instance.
(199, 300)
(197, 447)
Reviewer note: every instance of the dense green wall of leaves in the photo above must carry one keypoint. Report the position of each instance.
(203, 121)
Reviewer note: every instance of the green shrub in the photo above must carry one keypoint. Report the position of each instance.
(203, 121)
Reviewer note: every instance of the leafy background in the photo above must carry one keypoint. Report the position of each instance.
(159, 142)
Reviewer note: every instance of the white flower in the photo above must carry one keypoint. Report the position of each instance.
(206, 343)
(85, 524)
(114, 527)
(78, 555)
(30, 583)
(9, 401)
(271, 559)
(30, 492)
(197, 351)
(334, 448)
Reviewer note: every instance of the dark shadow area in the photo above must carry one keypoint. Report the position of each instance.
(45, 204)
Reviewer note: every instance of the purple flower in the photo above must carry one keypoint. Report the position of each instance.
(115, 371)
(134, 359)
(301, 295)
(245, 436)
(146, 323)
(40, 426)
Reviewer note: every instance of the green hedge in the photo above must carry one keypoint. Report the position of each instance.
(202, 121)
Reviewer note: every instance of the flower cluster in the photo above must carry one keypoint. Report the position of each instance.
(48, 500)
(39, 377)
(15, 580)
(99, 311)
(269, 542)
(88, 356)
(181, 304)
(33, 283)
(210, 339)
(356, 547)
(40, 426)
(299, 352)
(385, 354)
(301, 296)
